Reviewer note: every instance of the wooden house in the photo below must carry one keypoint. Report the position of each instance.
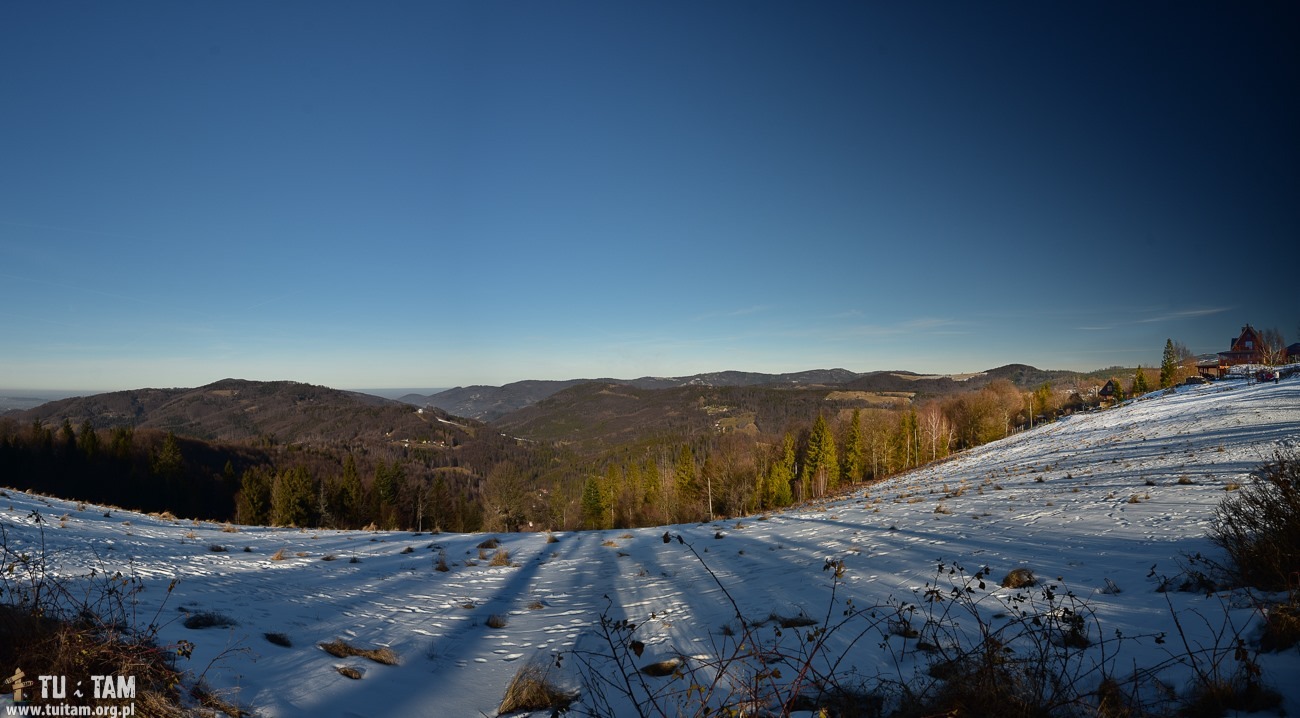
(1246, 349)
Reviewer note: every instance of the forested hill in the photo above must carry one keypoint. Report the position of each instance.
(238, 410)
(489, 403)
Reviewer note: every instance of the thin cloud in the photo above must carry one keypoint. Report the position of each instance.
(1184, 314)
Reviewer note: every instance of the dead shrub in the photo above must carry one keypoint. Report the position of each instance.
(489, 543)
(1259, 526)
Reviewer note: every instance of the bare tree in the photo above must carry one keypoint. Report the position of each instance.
(1272, 346)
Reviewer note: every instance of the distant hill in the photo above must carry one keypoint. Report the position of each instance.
(238, 410)
(488, 403)
(602, 414)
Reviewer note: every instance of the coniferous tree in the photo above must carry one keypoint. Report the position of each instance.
(253, 504)
(88, 440)
(292, 497)
(1168, 365)
(1140, 382)
(854, 450)
(780, 474)
(822, 465)
(686, 482)
(593, 504)
(350, 493)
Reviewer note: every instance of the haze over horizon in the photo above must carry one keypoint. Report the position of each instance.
(405, 194)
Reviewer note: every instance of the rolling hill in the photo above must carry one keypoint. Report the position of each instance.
(236, 410)
(1104, 507)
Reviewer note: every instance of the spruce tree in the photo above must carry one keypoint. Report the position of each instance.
(1140, 382)
(854, 450)
(780, 474)
(593, 504)
(822, 466)
(1168, 365)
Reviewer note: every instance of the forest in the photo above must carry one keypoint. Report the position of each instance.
(581, 460)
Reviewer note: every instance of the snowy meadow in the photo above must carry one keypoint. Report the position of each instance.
(893, 593)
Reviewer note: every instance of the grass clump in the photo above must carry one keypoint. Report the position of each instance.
(278, 639)
(500, 558)
(1019, 578)
(207, 619)
(342, 649)
(497, 620)
(531, 689)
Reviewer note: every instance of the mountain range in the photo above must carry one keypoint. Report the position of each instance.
(490, 403)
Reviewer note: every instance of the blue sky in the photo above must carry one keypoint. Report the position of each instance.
(439, 194)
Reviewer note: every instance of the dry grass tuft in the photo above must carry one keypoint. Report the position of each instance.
(1019, 578)
(279, 555)
(350, 672)
(278, 639)
(531, 689)
(500, 558)
(207, 619)
(489, 543)
(497, 620)
(342, 649)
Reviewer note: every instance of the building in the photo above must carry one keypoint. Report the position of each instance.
(1246, 349)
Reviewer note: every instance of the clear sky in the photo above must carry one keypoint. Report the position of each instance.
(446, 193)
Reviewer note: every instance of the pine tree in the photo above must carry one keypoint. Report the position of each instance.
(350, 493)
(1168, 365)
(821, 466)
(686, 482)
(253, 505)
(593, 504)
(88, 440)
(292, 498)
(854, 450)
(1140, 382)
(780, 474)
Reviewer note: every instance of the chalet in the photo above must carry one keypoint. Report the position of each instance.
(1111, 389)
(1246, 349)
(1293, 353)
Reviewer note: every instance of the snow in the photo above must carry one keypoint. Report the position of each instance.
(1115, 498)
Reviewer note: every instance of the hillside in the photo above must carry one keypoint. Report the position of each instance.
(1104, 506)
(237, 410)
(600, 415)
(489, 403)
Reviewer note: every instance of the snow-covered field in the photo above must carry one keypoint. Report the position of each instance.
(1115, 498)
